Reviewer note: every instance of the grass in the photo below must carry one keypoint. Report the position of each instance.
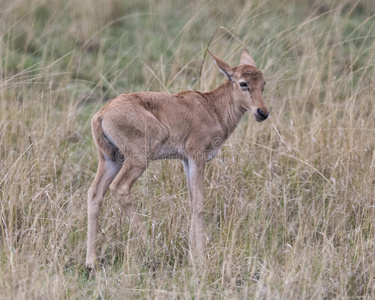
(290, 202)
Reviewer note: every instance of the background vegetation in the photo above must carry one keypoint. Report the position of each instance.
(290, 202)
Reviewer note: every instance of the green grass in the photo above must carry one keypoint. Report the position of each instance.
(290, 202)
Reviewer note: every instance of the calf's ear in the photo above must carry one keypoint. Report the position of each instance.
(246, 59)
(224, 68)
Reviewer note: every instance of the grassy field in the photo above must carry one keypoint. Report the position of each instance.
(290, 208)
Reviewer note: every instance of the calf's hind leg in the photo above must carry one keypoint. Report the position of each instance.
(141, 139)
(107, 170)
(121, 186)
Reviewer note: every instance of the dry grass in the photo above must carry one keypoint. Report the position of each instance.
(290, 202)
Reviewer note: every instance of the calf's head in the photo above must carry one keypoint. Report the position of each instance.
(248, 84)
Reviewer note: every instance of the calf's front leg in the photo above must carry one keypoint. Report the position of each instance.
(195, 175)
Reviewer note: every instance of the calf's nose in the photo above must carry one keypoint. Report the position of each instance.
(263, 115)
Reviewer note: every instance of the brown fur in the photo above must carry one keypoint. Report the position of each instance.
(134, 129)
